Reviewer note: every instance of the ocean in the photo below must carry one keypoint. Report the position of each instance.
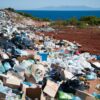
(60, 15)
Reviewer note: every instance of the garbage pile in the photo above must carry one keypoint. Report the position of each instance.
(40, 67)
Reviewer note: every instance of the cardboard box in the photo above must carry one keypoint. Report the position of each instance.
(33, 93)
(30, 78)
(97, 64)
(23, 88)
(2, 96)
(51, 88)
(12, 81)
(66, 74)
(42, 97)
(84, 95)
(3, 78)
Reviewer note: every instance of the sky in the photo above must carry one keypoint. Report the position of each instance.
(35, 4)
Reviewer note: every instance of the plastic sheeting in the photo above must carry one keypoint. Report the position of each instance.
(7, 66)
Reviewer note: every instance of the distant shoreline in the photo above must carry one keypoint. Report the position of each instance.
(52, 10)
(63, 15)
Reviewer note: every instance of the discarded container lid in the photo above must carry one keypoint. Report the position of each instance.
(43, 56)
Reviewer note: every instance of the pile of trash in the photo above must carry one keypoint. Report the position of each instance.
(40, 67)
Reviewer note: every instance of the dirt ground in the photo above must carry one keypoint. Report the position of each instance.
(89, 38)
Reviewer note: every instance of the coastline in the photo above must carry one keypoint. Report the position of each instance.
(63, 15)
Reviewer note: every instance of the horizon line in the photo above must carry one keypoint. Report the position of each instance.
(60, 10)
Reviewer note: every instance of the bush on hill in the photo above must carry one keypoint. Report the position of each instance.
(82, 22)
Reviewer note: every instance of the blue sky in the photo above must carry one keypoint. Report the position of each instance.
(34, 4)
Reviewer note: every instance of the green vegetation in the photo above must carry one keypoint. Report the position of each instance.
(91, 20)
(28, 15)
(72, 21)
(10, 9)
(32, 17)
(83, 22)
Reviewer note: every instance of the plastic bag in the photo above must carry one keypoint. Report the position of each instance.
(64, 96)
